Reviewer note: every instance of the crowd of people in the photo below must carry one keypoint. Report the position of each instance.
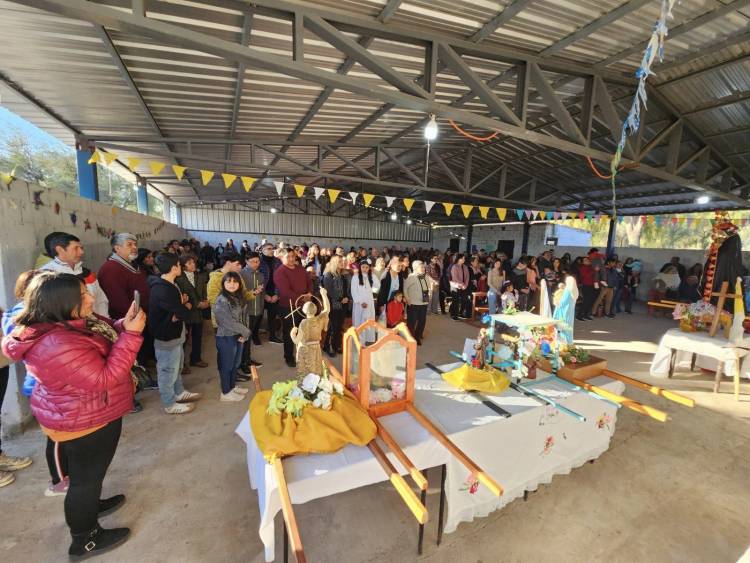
(90, 341)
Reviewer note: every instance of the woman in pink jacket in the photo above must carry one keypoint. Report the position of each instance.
(82, 363)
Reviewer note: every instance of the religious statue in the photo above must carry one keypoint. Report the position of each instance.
(724, 262)
(480, 347)
(308, 334)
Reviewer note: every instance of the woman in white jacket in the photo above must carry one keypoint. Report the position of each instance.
(364, 288)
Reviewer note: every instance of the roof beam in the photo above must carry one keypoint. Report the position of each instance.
(658, 138)
(594, 26)
(477, 85)
(487, 177)
(444, 165)
(718, 103)
(703, 19)
(398, 163)
(702, 71)
(247, 25)
(508, 13)
(128, 79)
(354, 165)
(555, 104)
(705, 51)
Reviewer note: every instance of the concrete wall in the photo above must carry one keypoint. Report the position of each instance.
(22, 232)
(221, 237)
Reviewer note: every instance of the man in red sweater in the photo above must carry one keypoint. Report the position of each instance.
(292, 282)
(120, 278)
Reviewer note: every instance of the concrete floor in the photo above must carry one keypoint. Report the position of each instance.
(663, 492)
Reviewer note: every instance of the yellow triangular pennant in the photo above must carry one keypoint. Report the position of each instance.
(501, 213)
(467, 210)
(300, 189)
(408, 203)
(133, 163)
(228, 180)
(179, 171)
(333, 194)
(247, 182)
(448, 208)
(368, 199)
(206, 176)
(109, 157)
(483, 212)
(156, 167)
(542, 215)
(94, 158)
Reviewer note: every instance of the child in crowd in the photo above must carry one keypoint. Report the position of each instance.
(313, 275)
(394, 311)
(509, 297)
(231, 334)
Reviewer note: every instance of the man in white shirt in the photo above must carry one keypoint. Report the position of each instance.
(68, 254)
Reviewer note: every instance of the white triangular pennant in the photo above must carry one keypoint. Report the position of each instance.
(353, 195)
(318, 192)
(279, 186)
(428, 206)
(389, 200)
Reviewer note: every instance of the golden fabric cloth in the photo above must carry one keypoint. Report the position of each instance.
(469, 378)
(316, 431)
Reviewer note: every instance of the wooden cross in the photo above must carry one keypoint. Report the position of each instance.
(722, 295)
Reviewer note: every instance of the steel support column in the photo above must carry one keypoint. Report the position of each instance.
(88, 183)
(611, 237)
(525, 239)
(469, 234)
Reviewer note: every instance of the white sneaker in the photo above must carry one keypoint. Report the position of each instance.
(188, 397)
(230, 397)
(241, 391)
(179, 408)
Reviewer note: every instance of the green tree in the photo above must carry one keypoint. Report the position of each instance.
(56, 168)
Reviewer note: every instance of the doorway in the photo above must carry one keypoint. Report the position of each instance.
(454, 244)
(507, 247)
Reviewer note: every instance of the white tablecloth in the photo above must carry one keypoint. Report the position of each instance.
(710, 350)
(529, 448)
(525, 319)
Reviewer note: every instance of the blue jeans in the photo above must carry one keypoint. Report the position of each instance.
(616, 301)
(229, 353)
(492, 301)
(168, 368)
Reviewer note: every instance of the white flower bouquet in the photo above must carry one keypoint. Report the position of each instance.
(293, 396)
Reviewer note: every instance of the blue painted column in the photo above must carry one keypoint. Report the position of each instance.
(142, 198)
(88, 183)
(178, 215)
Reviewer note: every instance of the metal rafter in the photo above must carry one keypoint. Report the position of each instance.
(247, 26)
(508, 13)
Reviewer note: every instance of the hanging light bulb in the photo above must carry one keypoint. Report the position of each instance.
(702, 200)
(273, 210)
(431, 129)
(394, 217)
(408, 221)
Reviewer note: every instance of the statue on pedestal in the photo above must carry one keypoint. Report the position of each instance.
(308, 334)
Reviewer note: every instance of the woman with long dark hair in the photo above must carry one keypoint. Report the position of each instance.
(82, 364)
(231, 334)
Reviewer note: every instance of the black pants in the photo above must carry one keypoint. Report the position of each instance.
(416, 319)
(196, 342)
(459, 303)
(287, 324)
(245, 362)
(443, 296)
(88, 460)
(49, 453)
(589, 296)
(333, 334)
(255, 324)
(147, 347)
(4, 375)
(272, 312)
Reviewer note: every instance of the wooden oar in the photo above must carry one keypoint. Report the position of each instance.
(288, 512)
(671, 395)
(256, 379)
(481, 476)
(656, 414)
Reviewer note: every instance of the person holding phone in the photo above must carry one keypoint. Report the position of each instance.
(84, 387)
(231, 334)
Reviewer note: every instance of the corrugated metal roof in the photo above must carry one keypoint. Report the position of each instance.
(64, 64)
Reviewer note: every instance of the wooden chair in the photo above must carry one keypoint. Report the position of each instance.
(476, 310)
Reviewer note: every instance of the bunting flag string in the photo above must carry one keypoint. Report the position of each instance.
(367, 198)
(299, 189)
(389, 201)
(179, 171)
(333, 194)
(279, 187)
(133, 163)
(94, 158)
(408, 202)
(206, 176)
(353, 196)
(448, 208)
(156, 167)
(109, 157)
(428, 206)
(483, 211)
(247, 182)
(228, 180)
(318, 192)
(466, 210)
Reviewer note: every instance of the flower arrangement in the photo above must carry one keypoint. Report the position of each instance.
(393, 391)
(698, 316)
(574, 355)
(510, 309)
(293, 396)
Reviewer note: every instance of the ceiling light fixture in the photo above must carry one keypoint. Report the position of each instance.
(273, 210)
(702, 200)
(431, 129)
(408, 221)
(394, 217)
